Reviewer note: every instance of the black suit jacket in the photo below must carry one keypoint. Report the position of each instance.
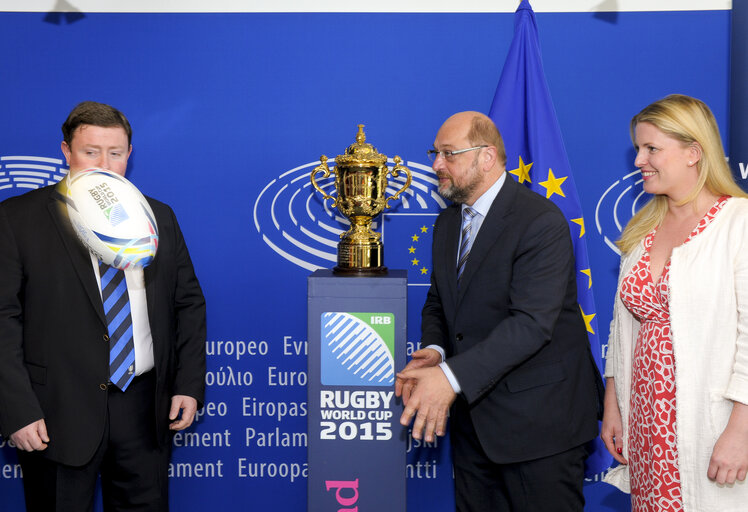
(513, 333)
(53, 355)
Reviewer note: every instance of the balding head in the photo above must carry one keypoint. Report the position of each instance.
(471, 156)
(480, 130)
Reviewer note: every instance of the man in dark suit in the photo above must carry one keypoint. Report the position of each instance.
(69, 421)
(506, 347)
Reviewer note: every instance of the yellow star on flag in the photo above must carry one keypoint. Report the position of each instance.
(424, 229)
(414, 261)
(411, 249)
(522, 172)
(579, 221)
(587, 320)
(414, 238)
(553, 185)
(588, 273)
(424, 270)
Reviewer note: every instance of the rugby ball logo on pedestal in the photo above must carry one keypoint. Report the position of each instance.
(112, 218)
(358, 349)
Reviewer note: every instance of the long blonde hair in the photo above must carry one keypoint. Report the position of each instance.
(689, 121)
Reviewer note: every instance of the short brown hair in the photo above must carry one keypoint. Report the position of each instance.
(94, 114)
(484, 131)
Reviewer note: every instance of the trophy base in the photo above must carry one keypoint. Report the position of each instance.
(359, 272)
(360, 259)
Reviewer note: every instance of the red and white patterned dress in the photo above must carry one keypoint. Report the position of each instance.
(653, 454)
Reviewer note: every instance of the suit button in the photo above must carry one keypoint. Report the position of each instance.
(106, 337)
(103, 387)
(458, 336)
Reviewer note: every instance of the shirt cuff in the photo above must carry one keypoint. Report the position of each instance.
(450, 377)
(438, 349)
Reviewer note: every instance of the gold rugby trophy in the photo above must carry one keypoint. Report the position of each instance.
(360, 181)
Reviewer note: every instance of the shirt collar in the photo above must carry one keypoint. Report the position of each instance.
(484, 202)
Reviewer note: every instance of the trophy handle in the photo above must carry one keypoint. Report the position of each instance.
(322, 167)
(394, 173)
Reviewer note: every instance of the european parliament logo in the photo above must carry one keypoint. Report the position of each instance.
(19, 174)
(298, 225)
(617, 205)
(357, 349)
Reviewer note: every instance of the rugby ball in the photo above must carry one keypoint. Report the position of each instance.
(111, 218)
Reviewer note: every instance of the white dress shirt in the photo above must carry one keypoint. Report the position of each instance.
(141, 327)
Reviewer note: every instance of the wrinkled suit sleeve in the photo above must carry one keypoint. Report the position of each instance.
(18, 403)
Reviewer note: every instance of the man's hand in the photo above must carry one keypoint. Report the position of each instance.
(430, 397)
(31, 437)
(188, 406)
(424, 358)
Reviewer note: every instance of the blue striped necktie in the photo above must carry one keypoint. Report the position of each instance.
(466, 240)
(119, 324)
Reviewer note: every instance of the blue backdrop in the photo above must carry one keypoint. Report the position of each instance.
(738, 97)
(230, 113)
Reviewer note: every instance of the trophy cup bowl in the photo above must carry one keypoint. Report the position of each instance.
(360, 183)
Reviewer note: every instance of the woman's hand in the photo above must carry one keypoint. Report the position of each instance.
(729, 460)
(612, 430)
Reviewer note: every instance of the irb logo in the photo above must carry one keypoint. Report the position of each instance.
(357, 349)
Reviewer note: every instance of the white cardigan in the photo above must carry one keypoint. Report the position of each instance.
(709, 324)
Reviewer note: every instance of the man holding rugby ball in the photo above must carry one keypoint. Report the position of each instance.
(58, 404)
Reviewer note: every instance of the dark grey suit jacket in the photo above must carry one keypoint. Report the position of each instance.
(53, 356)
(513, 333)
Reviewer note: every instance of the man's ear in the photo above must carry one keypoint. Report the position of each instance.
(65, 151)
(488, 157)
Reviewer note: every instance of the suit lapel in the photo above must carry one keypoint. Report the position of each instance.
(493, 225)
(79, 256)
(150, 272)
(149, 276)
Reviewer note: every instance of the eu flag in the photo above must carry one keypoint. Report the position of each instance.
(409, 237)
(523, 111)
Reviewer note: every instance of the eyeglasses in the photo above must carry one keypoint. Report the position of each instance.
(449, 155)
